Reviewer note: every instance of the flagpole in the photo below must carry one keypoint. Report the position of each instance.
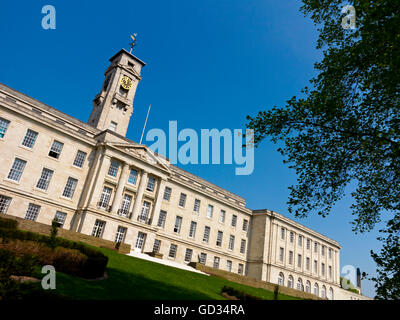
(148, 111)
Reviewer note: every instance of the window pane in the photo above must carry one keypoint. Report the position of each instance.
(132, 176)
(29, 139)
(70, 188)
(79, 159)
(44, 179)
(17, 169)
(4, 203)
(150, 184)
(113, 170)
(167, 193)
(182, 200)
(3, 127)
(161, 219)
(32, 212)
(60, 218)
(55, 150)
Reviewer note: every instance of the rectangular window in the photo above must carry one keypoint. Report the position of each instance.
(281, 254)
(282, 233)
(330, 272)
(44, 179)
(222, 215)
(216, 262)
(29, 139)
(315, 266)
(3, 127)
(228, 265)
(242, 246)
(98, 228)
(70, 187)
(113, 170)
(245, 224)
(231, 245)
(203, 258)
(210, 210)
(105, 198)
(132, 176)
(17, 169)
(59, 218)
(151, 183)
(144, 214)
(156, 246)
(323, 269)
(192, 231)
(299, 259)
(167, 193)
(315, 247)
(55, 150)
(4, 203)
(178, 224)
(308, 264)
(196, 207)
(172, 250)
(240, 268)
(125, 206)
(330, 253)
(300, 241)
(219, 238)
(32, 212)
(234, 220)
(206, 236)
(161, 219)
(140, 241)
(323, 250)
(182, 200)
(188, 255)
(291, 237)
(79, 159)
(290, 257)
(308, 244)
(120, 236)
(113, 126)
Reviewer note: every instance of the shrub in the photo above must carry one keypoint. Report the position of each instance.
(8, 224)
(241, 295)
(93, 267)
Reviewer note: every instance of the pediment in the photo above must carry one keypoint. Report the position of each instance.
(144, 154)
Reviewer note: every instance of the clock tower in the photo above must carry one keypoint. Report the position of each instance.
(113, 106)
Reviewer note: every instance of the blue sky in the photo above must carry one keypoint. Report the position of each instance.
(209, 64)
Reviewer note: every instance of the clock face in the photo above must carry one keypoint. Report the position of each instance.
(126, 82)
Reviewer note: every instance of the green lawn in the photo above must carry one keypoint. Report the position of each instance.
(132, 278)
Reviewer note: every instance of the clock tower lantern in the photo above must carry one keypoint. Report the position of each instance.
(113, 106)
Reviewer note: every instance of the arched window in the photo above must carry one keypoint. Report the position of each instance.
(316, 289)
(300, 285)
(281, 279)
(308, 286)
(323, 292)
(290, 282)
(330, 297)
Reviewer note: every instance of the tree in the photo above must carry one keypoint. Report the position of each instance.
(345, 127)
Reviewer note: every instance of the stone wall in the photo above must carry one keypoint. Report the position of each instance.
(67, 234)
(253, 282)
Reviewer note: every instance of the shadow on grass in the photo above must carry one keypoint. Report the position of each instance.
(123, 286)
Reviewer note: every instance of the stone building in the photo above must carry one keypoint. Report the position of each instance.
(94, 180)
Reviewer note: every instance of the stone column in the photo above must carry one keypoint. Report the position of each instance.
(120, 188)
(139, 195)
(99, 179)
(157, 204)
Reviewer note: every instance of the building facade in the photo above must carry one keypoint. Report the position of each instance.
(93, 180)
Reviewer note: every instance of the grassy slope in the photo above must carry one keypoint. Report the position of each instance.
(132, 278)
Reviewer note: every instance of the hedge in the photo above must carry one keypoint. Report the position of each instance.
(93, 267)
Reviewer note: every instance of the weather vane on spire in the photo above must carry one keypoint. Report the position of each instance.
(133, 43)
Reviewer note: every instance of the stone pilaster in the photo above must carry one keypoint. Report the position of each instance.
(158, 202)
(120, 188)
(139, 195)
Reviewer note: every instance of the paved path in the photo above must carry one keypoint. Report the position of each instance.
(164, 262)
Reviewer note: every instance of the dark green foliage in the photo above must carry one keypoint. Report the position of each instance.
(241, 295)
(53, 234)
(8, 224)
(93, 267)
(345, 128)
(276, 292)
